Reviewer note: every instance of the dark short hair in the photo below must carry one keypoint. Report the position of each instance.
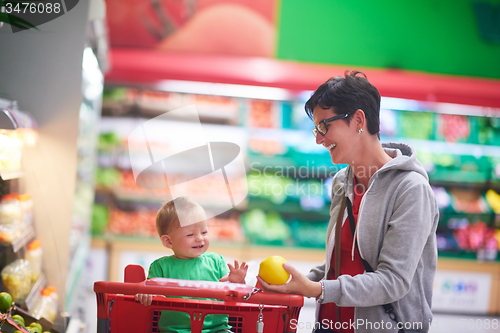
(346, 94)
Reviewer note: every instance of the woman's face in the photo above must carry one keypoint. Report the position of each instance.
(339, 139)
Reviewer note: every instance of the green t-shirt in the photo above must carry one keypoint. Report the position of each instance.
(207, 267)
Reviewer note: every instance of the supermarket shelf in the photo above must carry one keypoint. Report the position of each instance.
(443, 147)
(489, 218)
(35, 291)
(150, 197)
(465, 255)
(454, 263)
(465, 183)
(27, 235)
(77, 265)
(144, 196)
(291, 208)
(11, 174)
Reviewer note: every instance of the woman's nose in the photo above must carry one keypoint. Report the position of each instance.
(319, 138)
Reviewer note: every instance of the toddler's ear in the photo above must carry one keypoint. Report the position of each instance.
(165, 240)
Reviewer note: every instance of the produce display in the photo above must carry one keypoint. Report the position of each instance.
(133, 223)
(289, 176)
(493, 199)
(100, 218)
(226, 229)
(467, 223)
(34, 255)
(10, 151)
(108, 177)
(16, 214)
(152, 103)
(11, 218)
(454, 127)
(18, 278)
(277, 232)
(309, 233)
(5, 301)
(142, 223)
(476, 237)
(261, 114)
(266, 147)
(128, 209)
(46, 305)
(14, 319)
(425, 121)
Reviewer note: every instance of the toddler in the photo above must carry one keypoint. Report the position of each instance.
(182, 227)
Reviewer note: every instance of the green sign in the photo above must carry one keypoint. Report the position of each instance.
(458, 37)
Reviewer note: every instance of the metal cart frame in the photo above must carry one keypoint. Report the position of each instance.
(246, 306)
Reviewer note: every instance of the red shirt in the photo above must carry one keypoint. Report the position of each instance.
(347, 266)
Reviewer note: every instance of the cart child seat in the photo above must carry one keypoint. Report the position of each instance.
(249, 309)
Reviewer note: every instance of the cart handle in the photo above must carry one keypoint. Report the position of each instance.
(224, 291)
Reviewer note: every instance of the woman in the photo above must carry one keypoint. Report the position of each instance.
(380, 277)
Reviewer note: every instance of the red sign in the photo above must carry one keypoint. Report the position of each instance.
(223, 27)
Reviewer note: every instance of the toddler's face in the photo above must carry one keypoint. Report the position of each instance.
(190, 241)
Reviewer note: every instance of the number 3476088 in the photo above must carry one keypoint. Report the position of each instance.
(32, 7)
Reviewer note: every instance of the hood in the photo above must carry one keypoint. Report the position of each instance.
(404, 157)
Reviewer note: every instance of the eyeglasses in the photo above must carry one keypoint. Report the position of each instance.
(321, 128)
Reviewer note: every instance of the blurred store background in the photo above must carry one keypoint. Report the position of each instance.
(73, 91)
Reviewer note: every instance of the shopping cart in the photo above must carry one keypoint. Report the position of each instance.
(249, 309)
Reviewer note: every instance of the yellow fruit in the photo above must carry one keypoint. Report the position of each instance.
(37, 325)
(271, 270)
(33, 329)
(18, 319)
(5, 301)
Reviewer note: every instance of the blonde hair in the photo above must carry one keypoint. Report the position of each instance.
(167, 217)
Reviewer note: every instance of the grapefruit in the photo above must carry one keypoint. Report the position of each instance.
(271, 270)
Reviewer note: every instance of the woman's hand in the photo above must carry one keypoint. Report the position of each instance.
(237, 273)
(299, 284)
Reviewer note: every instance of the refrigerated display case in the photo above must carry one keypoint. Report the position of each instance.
(73, 289)
(21, 253)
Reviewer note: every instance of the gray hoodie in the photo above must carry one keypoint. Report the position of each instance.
(396, 235)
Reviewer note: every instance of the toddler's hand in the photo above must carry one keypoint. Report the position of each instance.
(144, 299)
(237, 273)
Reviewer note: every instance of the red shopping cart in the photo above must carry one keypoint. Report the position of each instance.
(249, 309)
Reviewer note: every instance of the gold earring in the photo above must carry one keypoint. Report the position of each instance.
(360, 131)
